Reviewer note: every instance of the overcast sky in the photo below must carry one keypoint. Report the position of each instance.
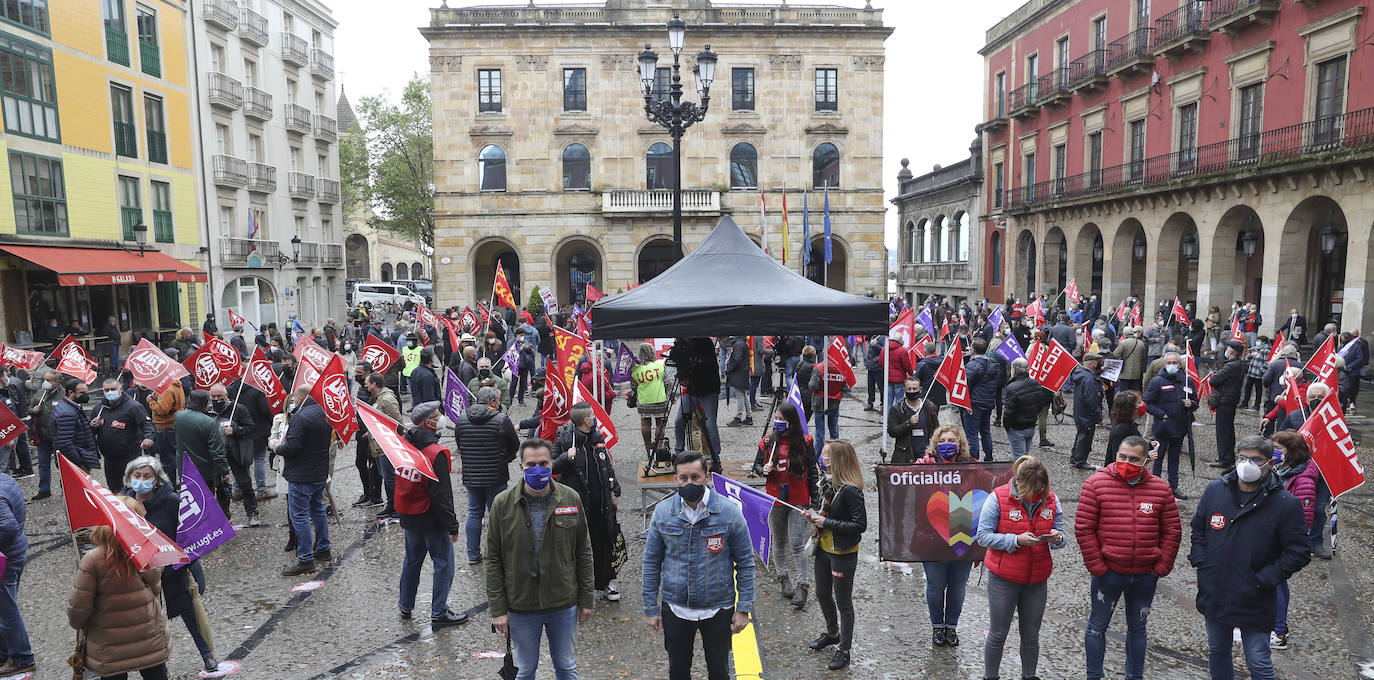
(933, 71)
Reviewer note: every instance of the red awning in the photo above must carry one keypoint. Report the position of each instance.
(106, 266)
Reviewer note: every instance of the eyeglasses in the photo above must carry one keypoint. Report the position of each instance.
(1257, 460)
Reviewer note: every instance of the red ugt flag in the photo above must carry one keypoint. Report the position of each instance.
(1071, 290)
(331, 393)
(74, 360)
(1323, 363)
(1050, 365)
(90, 504)
(10, 356)
(260, 376)
(215, 363)
(236, 319)
(1180, 313)
(311, 360)
(402, 454)
(556, 408)
(1332, 448)
(380, 354)
(11, 427)
(905, 327)
(951, 375)
(152, 368)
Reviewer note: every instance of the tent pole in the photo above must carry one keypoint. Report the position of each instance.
(887, 362)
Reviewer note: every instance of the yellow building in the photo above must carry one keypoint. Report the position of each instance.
(101, 218)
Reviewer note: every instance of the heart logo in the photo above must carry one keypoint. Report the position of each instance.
(955, 517)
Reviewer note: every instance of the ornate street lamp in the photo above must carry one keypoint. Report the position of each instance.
(1328, 236)
(1138, 248)
(1248, 242)
(1189, 246)
(671, 112)
(1097, 250)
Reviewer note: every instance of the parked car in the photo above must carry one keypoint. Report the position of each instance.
(373, 293)
(424, 287)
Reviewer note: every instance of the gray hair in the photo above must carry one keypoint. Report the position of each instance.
(488, 394)
(1173, 354)
(1317, 389)
(145, 462)
(1020, 367)
(1171, 348)
(1256, 443)
(646, 352)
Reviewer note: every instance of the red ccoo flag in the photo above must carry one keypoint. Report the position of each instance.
(1235, 328)
(904, 327)
(951, 375)
(260, 376)
(604, 424)
(1071, 290)
(90, 504)
(1323, 363)
(1180, 313)
(152, 368)
(1278, 345)
(380, 354)
(1050, 365)
(402, 454)
(837, 356)
(1293, 398)
(1328, 437)
(501, 288)
(944, 329)
(331, 393)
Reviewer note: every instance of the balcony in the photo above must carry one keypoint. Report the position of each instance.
(310, 252)
(326, 129)
(253, 27)
(321, 64)
(294, 49)
(1088, 72)
(262, 178)
(300, 185)
(230, 172)
(1053, 88)
(332, 256)
(659, 201)
(1233, 16)
(116, 45)
(1131, 52)
(600, 16)
(1182, 30)
(150, 58)
(1240, 156)
(248, 252)
(329, 191)
(297, 119)
(1022, 100)
(222, 13)
(225, 92)
(257, 104)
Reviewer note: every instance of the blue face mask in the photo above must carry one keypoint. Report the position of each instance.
(111, 395)
(142, 485)
(1278, 456)
(537, 477)
(691, 493)
(780, 426)
(946, 450)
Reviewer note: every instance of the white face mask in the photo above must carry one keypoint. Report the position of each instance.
(1248, 471)
(47, 385)
(1171, 368)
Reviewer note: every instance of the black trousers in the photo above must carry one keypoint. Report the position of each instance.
(835, 591)
(1082, 445)
(1128, 384)
(243, 480)
(680, 639)
(599, 531)
(1169, 450)
(1251, 386)
(368, 472)
(114, 472)
(1226, 434)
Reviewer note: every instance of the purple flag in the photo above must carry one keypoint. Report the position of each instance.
(892, 308)
(624, 364)
(456, 396)
(995, 319)
(201, 524)
(926, 322)
(1010, 350)
(1347, 347)
(512, 359)
(794, 397)
(754, 505)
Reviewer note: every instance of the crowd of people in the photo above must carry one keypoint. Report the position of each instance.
(550, 545)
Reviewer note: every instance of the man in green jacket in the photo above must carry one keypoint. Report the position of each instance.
(539, 564)
(200, 435)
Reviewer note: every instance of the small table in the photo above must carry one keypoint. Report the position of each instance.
(30, 346)
(661, 487)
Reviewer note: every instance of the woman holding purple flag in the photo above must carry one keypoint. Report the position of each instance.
(145, 481)
(786, 460)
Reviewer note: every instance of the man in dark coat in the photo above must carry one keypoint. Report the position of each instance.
(1087, 408)
(582, 463)
(1248, 536)
(487, 443)
(910, 423)
(305, 455)
(252, 399)
(424, 384)
(123, 429)
(239, 428)
(1172, 407)
(71, 430)
(426, 510)
(737, 379)
(1226, 383)
(1023, 400)
(1294, 328)
(985, 377)
(925, 372)
(199, 435)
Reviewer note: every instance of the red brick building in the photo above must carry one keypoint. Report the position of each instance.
(1217, 150)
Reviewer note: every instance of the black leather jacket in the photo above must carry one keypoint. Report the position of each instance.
(846, 517)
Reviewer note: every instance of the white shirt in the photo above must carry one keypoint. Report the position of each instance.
(694, 514)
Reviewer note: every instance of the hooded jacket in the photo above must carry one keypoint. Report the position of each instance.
(487, 443)
(126, 629)
(899, 364)
(440, 515)
(1127, 528)
(123, 427)
(1087, 397)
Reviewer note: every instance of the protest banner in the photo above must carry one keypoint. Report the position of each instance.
(201, 524)
(929, 513)
(754, 505)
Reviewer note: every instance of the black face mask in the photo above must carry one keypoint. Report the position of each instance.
(913, 396)
(361, 379)
(82, 398)
(219, 404)
(484, 372)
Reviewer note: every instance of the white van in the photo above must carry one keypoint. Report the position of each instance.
(373, 293)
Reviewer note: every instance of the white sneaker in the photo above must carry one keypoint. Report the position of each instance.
(612, 594)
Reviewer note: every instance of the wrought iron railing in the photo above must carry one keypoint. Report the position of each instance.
(1134, 45)
(1087, 68)
(1190, 18)
(1023, 97)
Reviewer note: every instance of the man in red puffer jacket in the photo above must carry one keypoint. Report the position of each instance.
(1129, 532)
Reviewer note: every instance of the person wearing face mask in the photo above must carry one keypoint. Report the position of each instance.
(946, 582)
(42, 398)
(1226, 383)
(787, 462)
(1127, 407)
(1279, 417)
(1293, 465)
(699, 555)
(1172, 407)
(1248, 536)
(122, 429)
(72, 436)
(424, 382)
(305, 453)
(368, 473)
(236, 423)
(1156, 337)
(1128, 530)
(492, 347)
(486, 442)
(1020, 523)
(410, 355)
(910, 423)
(200, 435)
(426, 509)
(1087, 408)
(539, 566)
(385, 401)
(1024, 401)
(839, 527)
(486, 377)
(582, 463)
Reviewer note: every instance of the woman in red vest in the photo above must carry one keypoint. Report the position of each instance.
(787, 460)
(1019, 524)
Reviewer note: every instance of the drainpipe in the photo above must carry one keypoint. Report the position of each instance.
(200, 145)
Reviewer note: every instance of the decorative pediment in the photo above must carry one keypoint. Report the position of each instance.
(489, 131)
(575, 130)
(745, 130)
(826, 129)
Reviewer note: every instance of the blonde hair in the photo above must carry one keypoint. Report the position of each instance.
(844, 463)
(1030, 476)
(117, 559)
(958, 434)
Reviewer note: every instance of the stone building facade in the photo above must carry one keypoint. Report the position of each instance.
(545, 161)
(939, 238)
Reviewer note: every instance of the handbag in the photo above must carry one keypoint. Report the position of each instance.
(78, 658)
(632, 398)
(620, 551)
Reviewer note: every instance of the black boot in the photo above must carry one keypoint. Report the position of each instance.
(840, 660)
(937, 637)
(799, 600)
(825, 640)
(951, 638)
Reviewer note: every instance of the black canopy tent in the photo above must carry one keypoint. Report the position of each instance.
(729, 286)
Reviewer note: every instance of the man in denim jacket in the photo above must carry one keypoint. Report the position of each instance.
(697, 535)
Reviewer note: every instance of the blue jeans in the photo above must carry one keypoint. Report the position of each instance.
(525, 630)
(388, 481)
(13, 635)
(708, 405)
(895, 393)
(260, 468)
(1283, 594)
(792, 367)
(1256, 644)
(875, 385)
(946, 584)
(479, 502)
(165, 442)
(45, 466)
(440, 550)
(822, 417)
(1140, 593)
(978, 425)
(305, 507)
(1020, 441)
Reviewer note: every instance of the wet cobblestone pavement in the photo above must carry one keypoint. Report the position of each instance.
(349, 628)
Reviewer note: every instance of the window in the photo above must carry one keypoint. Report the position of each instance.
(299, 222)
(1061, 54)
(827, 89)
(489, 90)
(288, 23)
(491, 166)
(1137, 150)
(1000, 95)
(1330, 100)
(321, 164)
(315, 39)
(658, 167)
(116, 33)
(1029, 171)
(910, 243)
(130, 205)
(290, 91)
(998, 185)
(1100, 34)
(1187, 136)
(825, 166)
(1142, 14)
(148, 57)
(996, 258)
(162, 212)
(1061, 162)
(324, 226)
(30, 96)
(1095, 159)
(157, 130)
(295, 159)
(1251, 120)
(926, 239)
(742, 89)
(222, 139)
(254, 148)
(216, 58)
(31, 14)
(126, 135)
(250, 73)
(1032, 75)
(319, 102)
(226, 220)
(40, 195)
(577, 168)
(663, 82)
(574, 89)
(744, 167)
